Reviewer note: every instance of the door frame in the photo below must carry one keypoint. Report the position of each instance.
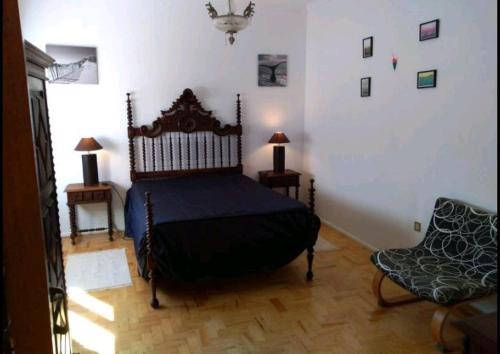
(23, 248)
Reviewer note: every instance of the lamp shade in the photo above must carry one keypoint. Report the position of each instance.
(279, 138)
(88, 144)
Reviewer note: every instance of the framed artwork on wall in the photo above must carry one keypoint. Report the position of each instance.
(426, 79)
(366, 86)
(367, 47)
(429, 30)
(273, 70)
(73, 64)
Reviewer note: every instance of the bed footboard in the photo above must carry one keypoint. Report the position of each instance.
(310, 249)
(152, 273)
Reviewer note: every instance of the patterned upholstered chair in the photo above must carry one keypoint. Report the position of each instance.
(454, 264)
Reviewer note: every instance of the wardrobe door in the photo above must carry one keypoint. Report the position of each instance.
(46, 184)
(49, 210)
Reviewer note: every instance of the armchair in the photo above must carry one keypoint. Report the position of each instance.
(454, 264)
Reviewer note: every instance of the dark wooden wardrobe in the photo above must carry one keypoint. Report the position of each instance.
(34, 284)
(36, 63)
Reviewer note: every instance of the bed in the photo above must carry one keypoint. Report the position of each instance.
(191, 211)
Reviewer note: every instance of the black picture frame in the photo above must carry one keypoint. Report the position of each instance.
(432, 36)
(369, 52)
(272, 70)
(434, 79)
(365, 93)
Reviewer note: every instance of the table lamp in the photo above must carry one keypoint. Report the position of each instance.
(89, 161)
(279, 151)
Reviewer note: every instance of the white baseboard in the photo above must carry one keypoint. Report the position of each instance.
(68, 233)
(333, 226)
(348, 234)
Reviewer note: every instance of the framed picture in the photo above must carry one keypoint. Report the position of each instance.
(366, 86)
(272, 70)
(429, 30)
(73, 64)
(426, 79)
(367, 47)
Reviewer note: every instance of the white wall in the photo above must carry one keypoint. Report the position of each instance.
(155, 49)
(380, 162)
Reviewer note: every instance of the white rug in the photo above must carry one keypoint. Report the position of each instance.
(324, 245)
(98, 270)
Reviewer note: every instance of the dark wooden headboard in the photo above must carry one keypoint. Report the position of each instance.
(185, 140)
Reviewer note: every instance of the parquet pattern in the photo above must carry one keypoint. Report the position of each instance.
(275, 312)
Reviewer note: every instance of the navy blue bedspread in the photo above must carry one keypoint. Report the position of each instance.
(217, 225)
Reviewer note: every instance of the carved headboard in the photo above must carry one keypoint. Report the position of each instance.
(185, 140)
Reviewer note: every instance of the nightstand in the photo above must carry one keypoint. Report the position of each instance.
(78, 193)
(286, 179)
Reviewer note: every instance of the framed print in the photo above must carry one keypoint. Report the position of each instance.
(426, 79)
(73, 64)
(366, 86)
(367, 47)
(429, 30)
(272, 70)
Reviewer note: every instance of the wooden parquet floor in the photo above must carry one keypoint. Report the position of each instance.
(275, 312)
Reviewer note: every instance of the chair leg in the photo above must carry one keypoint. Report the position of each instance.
(377, 291)
(440, 318)
(377, 287)
(437, 325)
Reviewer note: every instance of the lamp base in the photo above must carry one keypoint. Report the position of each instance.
(90, 174)
(279, 159)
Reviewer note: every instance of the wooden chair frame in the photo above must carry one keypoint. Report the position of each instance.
(439, 318)
(382, 302)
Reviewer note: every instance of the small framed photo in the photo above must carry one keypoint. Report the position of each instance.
(368, 47)
(273, 70)
(429, 30)
(426, 79)
(366, 86)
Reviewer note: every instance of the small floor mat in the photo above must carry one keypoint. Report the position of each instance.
(323, 245)
(98, 270)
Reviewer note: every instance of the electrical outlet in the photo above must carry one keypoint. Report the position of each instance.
(417, 226)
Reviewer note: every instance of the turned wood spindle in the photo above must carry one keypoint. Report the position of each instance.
(131, 147)
(205, 154)
(149, 247)
(171, 151)
(311, 197)
(153, 153)
(238, 122)
(179, 141)
(144, 154)
(162, 153)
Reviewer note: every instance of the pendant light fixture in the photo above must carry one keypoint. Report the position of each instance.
(231, 23)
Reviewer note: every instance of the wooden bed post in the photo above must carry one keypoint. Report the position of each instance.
(131, 148)
(238, 120)
(310, 249)
(311, 196)
(149, 245)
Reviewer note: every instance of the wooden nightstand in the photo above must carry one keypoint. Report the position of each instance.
(286, 179)
(78, 193)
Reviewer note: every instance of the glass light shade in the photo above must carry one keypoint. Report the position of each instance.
(231, 23)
